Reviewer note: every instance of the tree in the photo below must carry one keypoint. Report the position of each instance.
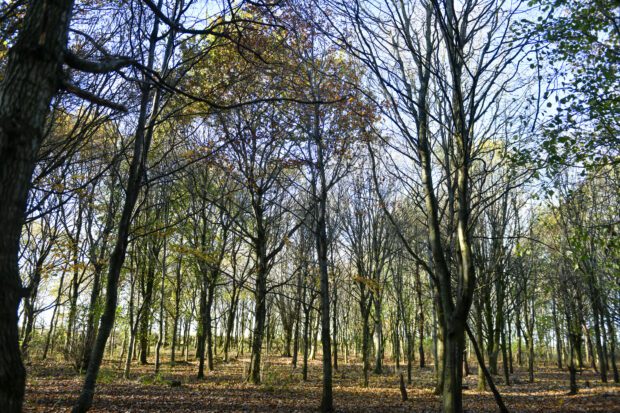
(578, 46)
(441, 107)
(33, 75)
(149, 106)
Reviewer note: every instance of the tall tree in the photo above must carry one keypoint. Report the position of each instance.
(33, 75)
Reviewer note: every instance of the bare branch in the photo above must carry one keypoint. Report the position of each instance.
(91, 97)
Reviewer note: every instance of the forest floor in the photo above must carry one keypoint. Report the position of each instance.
(53, 387)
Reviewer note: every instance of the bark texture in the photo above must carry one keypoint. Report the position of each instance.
(33, 76)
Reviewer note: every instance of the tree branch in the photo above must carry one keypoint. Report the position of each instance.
(91, 97)
(107, 64)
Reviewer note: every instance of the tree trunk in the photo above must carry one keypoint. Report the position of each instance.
(420, 316)
(612, 347)
(505, 358)
(177, 304)
(130, 352)
(31, 78)
(602, 364)
(146, 312)
(142, 141)
(558, 335)
(27, 328)
(378, 336)
(287, 329)
(480, 357)
(297, 319)
(75, 289)
(98, 264)
(209, 320)
(452, 396)
(365, 344)
(519, 348)
(590, 357)
(482, 384)
(304, 369)
(201, 336)
(29, 304)
(186, 338)
(315, 335)
(162, 332)
(410, 355)
(439, 355)
(510, 347)
(230, 321)
(530, 359)
(260, 313)
(335, 327)
(91, 327)
(327, 403)
(53, 320)
(574, 338)
(396, 340)
(403, 389)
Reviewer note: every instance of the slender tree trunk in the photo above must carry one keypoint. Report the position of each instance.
(297, 319)
(327, 403)
(482, 384)
(186, 338)
(130, 352)
(365, 343)
(420, 316)
(409, 355)
(612, 347)
(177, 304)
(378, 336)
(519, 348)
(315, 335)
(53, 320)
(396, 340)
(209, 320)
(75, 289)
(230, 321)
(574, 337)
(29, 303)
(558, 335)
(335, 327)
(530, 360)
(510, 346)
(505, 362)
(162, 332)
(260, 313)
(241, 331)
(53, 343)
(466, 371)
(146, 312)
(602, 365)
(144, 133)
(529, 337)
(29, 317)
(590, 355)
(98, 258)
(133, 326)
(91, 327)
(480, 357)
(201, 336)
(439, 355)
(288, 323)
(304, 369)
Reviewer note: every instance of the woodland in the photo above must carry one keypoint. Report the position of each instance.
(321, 205)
